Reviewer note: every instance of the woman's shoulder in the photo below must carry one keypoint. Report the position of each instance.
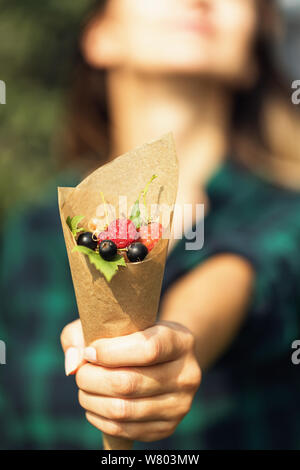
(235, 183)
(39, 214)
(249, 217)
(32, 239)
(244, 204)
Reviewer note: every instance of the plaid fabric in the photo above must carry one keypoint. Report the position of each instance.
(248, 400)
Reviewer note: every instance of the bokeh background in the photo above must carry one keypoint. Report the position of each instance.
(37, 58)
(37, 44)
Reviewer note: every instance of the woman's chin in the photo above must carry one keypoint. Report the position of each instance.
(175, 66)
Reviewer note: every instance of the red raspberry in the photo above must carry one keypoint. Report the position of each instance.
(103, 236)
(122, 232)
(150, 234)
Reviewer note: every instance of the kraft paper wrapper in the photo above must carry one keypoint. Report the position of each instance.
(129, 303)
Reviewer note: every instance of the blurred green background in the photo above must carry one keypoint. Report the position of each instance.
(37, 49)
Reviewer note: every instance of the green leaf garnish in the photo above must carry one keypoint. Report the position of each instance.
(107, 268)
(135, 215)
(73, 224)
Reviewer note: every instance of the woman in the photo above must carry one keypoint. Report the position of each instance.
(193, 66)
(203, 69)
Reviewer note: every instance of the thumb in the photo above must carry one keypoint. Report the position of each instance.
(72, 341)
(72, 335)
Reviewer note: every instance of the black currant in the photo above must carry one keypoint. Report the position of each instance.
(137, 252)
(108, 250)
(86, 239)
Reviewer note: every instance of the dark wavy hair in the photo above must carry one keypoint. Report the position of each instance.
(264, 122)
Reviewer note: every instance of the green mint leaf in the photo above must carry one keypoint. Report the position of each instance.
(69, 222)
(73, 224)
(135, 215)
(107, 268)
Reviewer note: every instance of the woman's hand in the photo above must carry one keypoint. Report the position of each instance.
(138, 386)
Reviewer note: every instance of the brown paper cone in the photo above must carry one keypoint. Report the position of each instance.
(116, 443)
(129, 302)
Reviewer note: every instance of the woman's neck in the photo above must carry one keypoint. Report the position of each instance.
(143, 107)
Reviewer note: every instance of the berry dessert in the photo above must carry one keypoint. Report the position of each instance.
(122, 240)
(108, 250)
(137, 252)
(87, 239)
(150, 234)
(122, 232)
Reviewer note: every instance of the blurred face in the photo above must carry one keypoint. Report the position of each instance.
(213, 38)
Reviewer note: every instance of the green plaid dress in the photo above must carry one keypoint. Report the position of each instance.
(248, 400)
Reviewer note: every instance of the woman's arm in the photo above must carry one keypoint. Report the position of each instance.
(140, 386)
(211, 301)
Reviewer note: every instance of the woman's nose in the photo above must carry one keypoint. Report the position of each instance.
(200, 4)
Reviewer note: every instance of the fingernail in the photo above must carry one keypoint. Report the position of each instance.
(90, 354)
(72, 360)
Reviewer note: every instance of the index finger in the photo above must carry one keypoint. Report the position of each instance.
(160, 343)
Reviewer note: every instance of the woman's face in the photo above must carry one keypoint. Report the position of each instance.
(213, 38)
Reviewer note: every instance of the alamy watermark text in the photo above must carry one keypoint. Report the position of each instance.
(2, 353)
(2, 92)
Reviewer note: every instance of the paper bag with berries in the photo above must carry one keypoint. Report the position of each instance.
(116, 225)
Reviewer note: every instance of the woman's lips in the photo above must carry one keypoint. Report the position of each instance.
(193, 25)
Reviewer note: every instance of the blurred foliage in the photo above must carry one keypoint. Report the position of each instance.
(37, 48)
(37, 45)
